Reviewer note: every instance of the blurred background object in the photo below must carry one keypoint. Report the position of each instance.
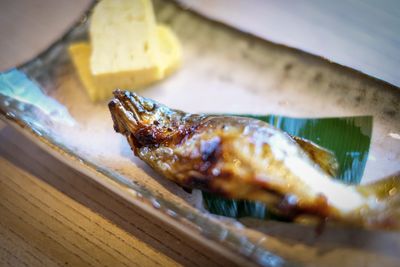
(28, 27)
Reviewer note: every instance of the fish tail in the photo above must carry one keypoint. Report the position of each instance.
(324, 158)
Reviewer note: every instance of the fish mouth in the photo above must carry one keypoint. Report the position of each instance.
(125, 111)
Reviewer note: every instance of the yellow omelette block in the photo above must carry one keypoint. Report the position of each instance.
(80, 55)
(98, 89)
(124, 39)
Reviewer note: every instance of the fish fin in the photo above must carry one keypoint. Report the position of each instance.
(321, 156)
(387, 192)
(384, 188)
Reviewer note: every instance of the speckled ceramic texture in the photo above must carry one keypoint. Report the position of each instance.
(224, 71)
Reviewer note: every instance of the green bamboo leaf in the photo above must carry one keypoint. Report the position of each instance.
(348, 138)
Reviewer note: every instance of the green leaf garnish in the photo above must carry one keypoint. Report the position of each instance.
(348, 138)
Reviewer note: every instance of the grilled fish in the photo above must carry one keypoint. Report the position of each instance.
(244, 158)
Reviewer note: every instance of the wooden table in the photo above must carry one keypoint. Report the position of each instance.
(52, 215)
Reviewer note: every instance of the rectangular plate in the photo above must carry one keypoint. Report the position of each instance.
(224, 71)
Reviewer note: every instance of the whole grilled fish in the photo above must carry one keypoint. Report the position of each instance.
(244, 158)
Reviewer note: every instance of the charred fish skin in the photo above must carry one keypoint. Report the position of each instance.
(148, 123)
(240, 158)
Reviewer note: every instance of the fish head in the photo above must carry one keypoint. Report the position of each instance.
(145, 120)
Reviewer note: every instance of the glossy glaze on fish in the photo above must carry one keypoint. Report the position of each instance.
(244, 158)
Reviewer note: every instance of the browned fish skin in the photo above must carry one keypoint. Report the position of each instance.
(196, 150)
(232, 156)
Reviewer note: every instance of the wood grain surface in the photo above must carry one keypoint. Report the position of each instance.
(52, 215)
